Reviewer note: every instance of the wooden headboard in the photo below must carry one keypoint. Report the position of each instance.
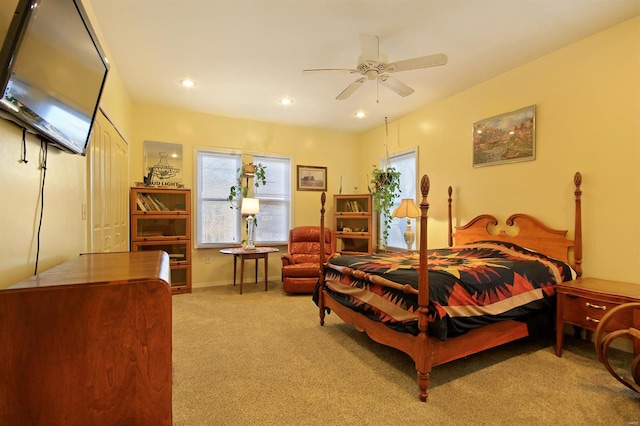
(527, 231)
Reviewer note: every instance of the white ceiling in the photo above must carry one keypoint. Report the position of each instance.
(245, 55)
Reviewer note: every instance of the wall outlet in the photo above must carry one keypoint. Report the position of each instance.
(207, 259)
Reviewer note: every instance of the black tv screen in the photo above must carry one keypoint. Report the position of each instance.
(52, 71)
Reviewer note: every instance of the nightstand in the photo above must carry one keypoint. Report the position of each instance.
(583, 302)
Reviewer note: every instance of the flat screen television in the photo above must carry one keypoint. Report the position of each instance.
(52, 71)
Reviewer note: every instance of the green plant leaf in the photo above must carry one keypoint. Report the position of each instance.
(241, 188)
(385, 184)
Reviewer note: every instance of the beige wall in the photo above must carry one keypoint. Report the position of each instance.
(304, 146)
(588, 107)
(63, 232)
(587, 99)
(115, 101)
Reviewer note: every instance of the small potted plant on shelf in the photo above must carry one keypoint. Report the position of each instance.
(241, 188)
(385, 188)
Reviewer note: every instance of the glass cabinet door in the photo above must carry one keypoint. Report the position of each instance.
(160, 201)
(159, 227)
(178, 251)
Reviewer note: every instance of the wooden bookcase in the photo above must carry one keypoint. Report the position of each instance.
(161, 220)
(353, 224)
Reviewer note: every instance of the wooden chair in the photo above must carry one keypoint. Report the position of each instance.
(621, 315)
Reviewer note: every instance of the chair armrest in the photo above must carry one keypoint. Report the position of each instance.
(287, 259)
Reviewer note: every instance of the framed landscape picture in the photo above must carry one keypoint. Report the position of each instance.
(505, 138)
(312, 178)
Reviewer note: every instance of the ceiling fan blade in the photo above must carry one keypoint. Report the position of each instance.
(369, 48)
(416, 63)
(331, 70)
(350, 89)
(395, 85)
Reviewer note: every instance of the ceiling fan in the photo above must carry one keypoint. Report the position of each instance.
(373, 66)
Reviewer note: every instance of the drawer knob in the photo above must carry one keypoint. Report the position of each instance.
(592, 320)
(591, 305)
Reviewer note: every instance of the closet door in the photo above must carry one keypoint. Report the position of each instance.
(108, 168)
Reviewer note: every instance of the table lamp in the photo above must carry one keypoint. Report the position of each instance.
(408, 209)
(250, 206)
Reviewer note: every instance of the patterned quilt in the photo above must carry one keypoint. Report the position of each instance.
(469, 286)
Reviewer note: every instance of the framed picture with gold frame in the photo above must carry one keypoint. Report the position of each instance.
(312, 178)
(505, 138)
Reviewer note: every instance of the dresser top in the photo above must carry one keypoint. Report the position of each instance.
(598, 285)
(103, 268)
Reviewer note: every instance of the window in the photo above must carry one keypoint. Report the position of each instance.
(406, 164)
(218, 223)
(274, 219)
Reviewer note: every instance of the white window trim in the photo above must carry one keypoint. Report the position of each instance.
(196, 197)
(417, 195)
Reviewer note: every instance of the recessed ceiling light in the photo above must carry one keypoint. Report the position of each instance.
(187, 83)
(361, 114)
(286, 101)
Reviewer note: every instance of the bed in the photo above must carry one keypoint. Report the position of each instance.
(384, 295)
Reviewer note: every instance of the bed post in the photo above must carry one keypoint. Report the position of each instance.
(450, 237)
(577, 248)
(423, 351)
(323, 199)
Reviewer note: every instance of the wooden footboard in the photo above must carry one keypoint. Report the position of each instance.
(427, 351)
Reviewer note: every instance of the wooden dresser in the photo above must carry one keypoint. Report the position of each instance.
(88, 342)
(584, 301)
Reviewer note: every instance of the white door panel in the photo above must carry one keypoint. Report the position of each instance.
(108, 188)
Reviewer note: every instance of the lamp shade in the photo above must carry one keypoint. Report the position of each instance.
(250, 206)
(407, 208)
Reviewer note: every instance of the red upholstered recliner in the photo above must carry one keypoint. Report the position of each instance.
(301, 264)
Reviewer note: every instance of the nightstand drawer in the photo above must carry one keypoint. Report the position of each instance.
(587, 313)
(584, 301)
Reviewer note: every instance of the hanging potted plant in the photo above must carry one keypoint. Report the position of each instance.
(249, 170)
(385, 188)
(241, 188)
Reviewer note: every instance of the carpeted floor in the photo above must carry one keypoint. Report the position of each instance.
(262, 358)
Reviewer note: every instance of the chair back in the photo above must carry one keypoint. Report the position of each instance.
(304, 244)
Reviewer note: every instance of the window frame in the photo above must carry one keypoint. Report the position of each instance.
(271, 198)
(240, 222)
(398, 226)
(197, 199)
